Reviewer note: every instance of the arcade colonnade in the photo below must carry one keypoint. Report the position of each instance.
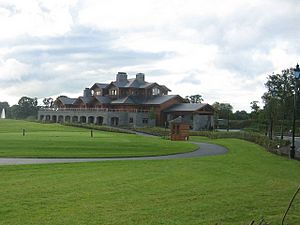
(111, 118)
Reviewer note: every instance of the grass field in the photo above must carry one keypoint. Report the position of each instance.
(232, 189)
(54, 140)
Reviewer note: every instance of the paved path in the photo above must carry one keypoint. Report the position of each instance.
(203, 150)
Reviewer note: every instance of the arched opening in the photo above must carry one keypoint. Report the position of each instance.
(82, 119)
(67, 119)
(60, 119)
(75, 119)
(99, 120)
(114, 121)
(48, 117)
(91, 119)
(42, 117)
(54, 118)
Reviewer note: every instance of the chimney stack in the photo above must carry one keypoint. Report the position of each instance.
(121, 77)
(140, 77)
(87, 92)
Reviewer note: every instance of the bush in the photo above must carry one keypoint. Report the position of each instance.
(257, 138)
(97, 127)
(157, 131)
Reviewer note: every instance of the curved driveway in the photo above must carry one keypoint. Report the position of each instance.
(204, 149)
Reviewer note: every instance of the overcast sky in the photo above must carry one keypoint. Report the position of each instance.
(221, 49)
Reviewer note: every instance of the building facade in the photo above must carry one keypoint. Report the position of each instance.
(128, 103)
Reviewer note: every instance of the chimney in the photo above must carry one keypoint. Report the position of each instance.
(87, 92)
(121, 77)
(140, 77)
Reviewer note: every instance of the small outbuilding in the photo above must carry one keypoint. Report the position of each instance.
(198, 115)
(179, 129)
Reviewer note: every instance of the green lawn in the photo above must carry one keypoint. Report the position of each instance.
(244, 184)
(54, 140)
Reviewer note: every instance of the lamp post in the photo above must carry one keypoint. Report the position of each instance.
(297, 76)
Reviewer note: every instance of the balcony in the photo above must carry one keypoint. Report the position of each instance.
(90, 110)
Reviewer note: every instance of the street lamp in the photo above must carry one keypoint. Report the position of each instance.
(297, 76)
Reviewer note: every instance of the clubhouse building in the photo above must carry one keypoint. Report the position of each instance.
(128, 103)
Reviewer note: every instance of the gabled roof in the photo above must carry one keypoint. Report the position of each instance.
(157, 100)
(179, 119)
(67, 100)
(134, 83)
(188, 107)
(99, 85)
(127, 100)
(137, 100)
(103, 99)
(131, 83)
(86, 100)
(165, 87)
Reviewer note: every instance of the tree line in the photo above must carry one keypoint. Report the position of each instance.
(27, 108)
(276, 114)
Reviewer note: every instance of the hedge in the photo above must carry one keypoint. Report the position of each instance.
(257, 138)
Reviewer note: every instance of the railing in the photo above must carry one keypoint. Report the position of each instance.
(90, 110)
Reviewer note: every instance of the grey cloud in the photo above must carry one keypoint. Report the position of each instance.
(191, 78)
(86, 54)
(248, 31)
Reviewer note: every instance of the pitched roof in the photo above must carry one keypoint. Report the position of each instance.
(67, 100)
(87, 100)
(134, 83)
(155, 100)
(126, 100)
(131, 83)
(179, 119)
(186, 107)
(103, 99)
(99, 85)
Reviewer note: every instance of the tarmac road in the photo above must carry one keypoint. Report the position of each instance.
(204, 149)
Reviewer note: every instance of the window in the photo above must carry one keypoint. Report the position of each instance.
(130, 120)
(145, 120)
(155, 91)
(113, 92)
(98, 92)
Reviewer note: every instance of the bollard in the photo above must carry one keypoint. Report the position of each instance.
(92, 133)
(23, 132)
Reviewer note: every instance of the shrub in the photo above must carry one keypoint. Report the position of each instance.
(257, 138)
(157, 131)
(97, 127)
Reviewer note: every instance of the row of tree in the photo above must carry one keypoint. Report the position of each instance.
(278, 105)
(277, 110)
(26, 108)
(279, 100)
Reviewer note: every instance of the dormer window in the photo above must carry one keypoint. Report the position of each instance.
(98, 92)
(113, 92)
(155, 91)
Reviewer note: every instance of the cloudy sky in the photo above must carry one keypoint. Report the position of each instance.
(221, 49)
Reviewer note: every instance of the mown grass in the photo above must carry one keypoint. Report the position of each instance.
(232, 189)
(54, 140)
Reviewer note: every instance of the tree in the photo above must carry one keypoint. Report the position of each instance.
(225, 111)
(271, 108)
(27, 107)
(222, 111)
(194, 98)
(278, 98)
(241, 115)
(48, 102)
(4, 105)
(255, 108)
